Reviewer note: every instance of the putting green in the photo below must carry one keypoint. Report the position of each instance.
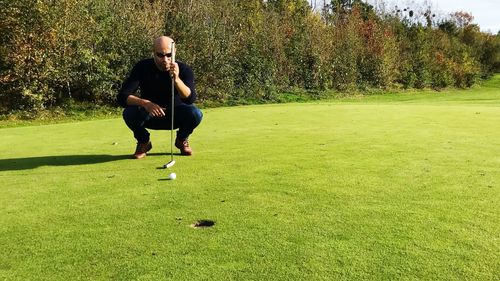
(387, 187)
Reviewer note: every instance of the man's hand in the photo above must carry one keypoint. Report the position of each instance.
(174, 70)
(153, 109)
(182, 89)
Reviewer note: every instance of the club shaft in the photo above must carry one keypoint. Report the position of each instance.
(172, 50)
(172, 125)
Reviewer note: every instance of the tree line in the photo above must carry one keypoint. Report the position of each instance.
(55, 52)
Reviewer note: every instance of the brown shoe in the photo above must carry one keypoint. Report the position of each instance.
(141, 149)
(183, 145)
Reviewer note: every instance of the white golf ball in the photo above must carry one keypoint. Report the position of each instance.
(172, 176)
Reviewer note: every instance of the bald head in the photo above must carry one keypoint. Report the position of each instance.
(162, 52)
(162, 42)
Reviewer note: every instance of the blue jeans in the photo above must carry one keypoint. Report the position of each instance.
(186, 119)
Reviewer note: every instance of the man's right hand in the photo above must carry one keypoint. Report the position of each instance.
(153, 109)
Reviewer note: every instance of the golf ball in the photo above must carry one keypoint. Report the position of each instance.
(172, 176)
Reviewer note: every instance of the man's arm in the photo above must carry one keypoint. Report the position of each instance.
(185, 85)
(125, 96)
(151, 107)
(182, 89)
(129, 87)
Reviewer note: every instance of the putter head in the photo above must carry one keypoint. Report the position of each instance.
(169, 164)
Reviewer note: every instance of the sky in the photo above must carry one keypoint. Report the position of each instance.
(485, 12)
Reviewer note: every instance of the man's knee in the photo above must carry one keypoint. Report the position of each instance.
(192, 115)
(197, 115)
(130, 112)
(132, 115)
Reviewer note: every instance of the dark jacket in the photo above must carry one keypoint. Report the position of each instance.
(155, 85)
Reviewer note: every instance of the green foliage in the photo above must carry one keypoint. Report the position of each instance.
(241, 52)
(70, 50)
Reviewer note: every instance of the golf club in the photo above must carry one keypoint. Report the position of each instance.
(172, 161)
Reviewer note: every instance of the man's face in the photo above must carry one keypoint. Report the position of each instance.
(163, 56)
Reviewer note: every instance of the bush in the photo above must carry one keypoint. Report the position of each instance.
(241, 52)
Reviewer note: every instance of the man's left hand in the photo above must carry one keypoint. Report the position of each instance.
(174, 70)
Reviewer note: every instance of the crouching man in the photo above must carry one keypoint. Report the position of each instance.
(152, 108)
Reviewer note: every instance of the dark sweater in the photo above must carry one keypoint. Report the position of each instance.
(155, 85)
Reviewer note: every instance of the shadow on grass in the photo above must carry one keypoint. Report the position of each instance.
(164, 154)
(63, 160)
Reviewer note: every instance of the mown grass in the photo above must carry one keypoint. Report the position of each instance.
(377, 188)
(75, 111)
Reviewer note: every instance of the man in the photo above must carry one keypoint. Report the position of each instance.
(152, 109)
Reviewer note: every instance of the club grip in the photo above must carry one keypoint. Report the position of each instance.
(172, 49)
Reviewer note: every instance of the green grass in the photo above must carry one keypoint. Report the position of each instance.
(69, 113)
(378, 188)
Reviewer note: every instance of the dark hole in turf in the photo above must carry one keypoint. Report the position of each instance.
(203, 223)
